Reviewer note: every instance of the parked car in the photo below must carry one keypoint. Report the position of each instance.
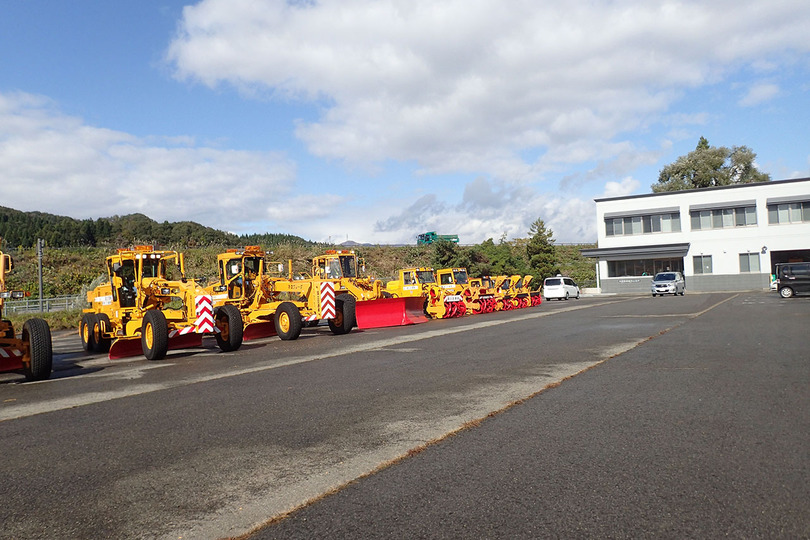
(668, 283)
(792, 278)
(559, 287)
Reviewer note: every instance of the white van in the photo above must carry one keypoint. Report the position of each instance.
(559, 287)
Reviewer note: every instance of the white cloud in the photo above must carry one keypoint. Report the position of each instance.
(490, 209)
(50, 162)
(627, 186)
(759, 93)
(471, 85)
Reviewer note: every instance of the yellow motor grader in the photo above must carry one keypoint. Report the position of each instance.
(272, 305)
(150, 306)
(32, 353)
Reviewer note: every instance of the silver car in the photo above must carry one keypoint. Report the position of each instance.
(668, 283)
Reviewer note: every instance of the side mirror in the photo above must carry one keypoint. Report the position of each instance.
(116, 267)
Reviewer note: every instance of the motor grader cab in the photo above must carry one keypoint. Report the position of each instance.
(147, 306)
(32, 353)
(268, 304)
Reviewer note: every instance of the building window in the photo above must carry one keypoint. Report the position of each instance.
(795, 212)
(723, 218)
(643, 224)
(749, 262)
(702, 264)
(643, 267)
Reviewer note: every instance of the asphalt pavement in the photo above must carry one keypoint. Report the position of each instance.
(699, 432)
(603, 417)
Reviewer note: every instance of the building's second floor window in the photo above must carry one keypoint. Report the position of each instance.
(793, 212)
(722, 218)
(643, 224)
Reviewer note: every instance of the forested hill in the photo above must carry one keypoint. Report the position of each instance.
(21, 229)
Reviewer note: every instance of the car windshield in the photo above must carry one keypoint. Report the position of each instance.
(666, 276)
(426, 276)
(553, 281)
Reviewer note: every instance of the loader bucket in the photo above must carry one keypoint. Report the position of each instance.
(390, 312)
(259, 330)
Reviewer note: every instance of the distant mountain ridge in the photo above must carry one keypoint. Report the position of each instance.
(22, 229)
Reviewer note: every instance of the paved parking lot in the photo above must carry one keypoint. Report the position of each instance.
(611, 416)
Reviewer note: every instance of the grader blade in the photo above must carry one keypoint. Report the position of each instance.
(187, 341)
(259, 330)
(390, 312)
(10, 358)
(123, 348)
(126, 347)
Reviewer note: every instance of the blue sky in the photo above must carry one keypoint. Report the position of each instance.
(375, 120)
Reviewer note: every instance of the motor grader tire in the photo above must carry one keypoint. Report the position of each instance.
(288, 321)
(37, 334)
(344, 319)
(231, 327)
(102, 324)
(154, 335)
(86, 332)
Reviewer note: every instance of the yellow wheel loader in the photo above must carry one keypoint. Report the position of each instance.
(32, 353)
(149, 306)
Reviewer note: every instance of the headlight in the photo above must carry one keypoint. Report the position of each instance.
(165, 291)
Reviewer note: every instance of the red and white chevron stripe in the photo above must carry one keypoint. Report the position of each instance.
(327, 300)
(205, 314)
(10, 353)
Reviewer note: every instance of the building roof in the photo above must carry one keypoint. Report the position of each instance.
(733, 186)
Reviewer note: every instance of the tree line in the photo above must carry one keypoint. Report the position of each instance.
(22, 229)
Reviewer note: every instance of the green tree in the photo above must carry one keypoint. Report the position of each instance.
(709, 166)
(540, 250)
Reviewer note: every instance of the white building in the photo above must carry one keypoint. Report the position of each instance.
(721, 238)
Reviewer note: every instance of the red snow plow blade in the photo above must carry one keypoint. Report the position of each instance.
(259, 330)
(390, 312)
(122, 348)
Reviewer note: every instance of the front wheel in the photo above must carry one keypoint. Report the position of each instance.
(786, 292)
(154, 335)
(39, 364)
(288, 321)
(231, 328)
(344, 319)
